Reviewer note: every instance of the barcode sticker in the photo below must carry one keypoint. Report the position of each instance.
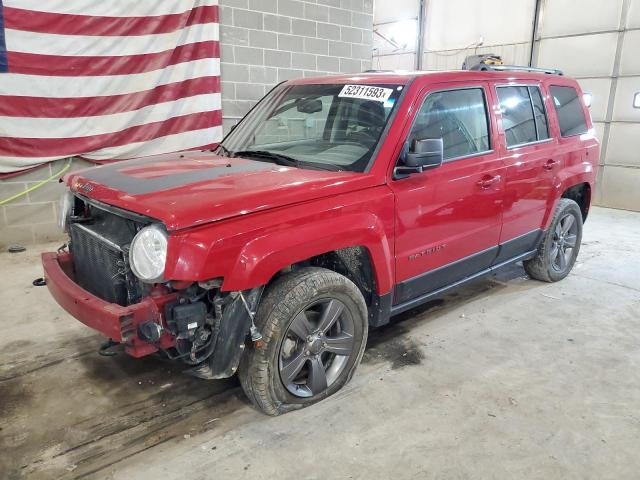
(366, 92)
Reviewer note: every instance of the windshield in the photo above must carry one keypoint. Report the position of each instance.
(325, 126)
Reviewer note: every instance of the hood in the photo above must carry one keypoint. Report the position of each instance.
(194, 188)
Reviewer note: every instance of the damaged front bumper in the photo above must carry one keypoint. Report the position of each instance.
(112, 320)
(122, 323)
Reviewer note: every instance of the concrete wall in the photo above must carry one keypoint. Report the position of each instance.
(262, 43)
(33, 218)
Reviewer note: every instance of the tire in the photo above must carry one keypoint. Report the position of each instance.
(314, 294)
(550, 264)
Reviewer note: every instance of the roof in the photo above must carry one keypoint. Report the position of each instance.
(402, 77)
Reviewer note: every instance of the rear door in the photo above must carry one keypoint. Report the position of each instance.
(532, 165)
(448, 219)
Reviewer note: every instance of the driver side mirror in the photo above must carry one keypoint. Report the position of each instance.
(423, 155)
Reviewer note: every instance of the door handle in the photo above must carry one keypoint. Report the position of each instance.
(550, 164)
(487, 181)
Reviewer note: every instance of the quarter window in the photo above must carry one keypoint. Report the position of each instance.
(569, 109)
(459, 117)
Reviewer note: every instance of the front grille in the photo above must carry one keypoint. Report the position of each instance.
(99, 245)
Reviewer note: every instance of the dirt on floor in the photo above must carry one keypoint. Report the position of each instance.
(506, 378)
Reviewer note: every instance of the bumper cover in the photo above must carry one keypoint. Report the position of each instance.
(112, 320)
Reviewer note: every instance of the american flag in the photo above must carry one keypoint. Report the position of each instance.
(107, 79)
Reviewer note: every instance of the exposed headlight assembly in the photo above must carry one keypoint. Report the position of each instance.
(65, 207)
(148, 253)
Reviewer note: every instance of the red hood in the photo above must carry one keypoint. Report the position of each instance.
(197, 188)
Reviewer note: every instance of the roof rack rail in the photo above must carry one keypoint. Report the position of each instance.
(517, 68)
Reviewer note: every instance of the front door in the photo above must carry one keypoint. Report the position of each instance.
(448, 219)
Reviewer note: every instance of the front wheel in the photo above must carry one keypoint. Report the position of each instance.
(314, 325)
(560, 246)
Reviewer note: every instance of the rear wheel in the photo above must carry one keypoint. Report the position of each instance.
(314, 325)
(560, 246)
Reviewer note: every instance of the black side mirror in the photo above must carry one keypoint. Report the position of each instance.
(427, 153)
(423, 155)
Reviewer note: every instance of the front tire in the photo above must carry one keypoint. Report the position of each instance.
(560, 246)
(314, 326)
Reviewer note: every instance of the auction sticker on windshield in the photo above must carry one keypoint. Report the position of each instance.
(366, 92)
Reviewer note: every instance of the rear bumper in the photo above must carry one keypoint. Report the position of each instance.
(112, 320)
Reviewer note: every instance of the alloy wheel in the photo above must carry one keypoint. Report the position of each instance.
(316, 347)
(565, 237)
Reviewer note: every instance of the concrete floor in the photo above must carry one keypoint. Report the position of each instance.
(508, 378)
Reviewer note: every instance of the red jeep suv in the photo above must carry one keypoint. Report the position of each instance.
(335, 203)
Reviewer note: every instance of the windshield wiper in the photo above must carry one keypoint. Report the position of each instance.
(266, 155)
(221, 149)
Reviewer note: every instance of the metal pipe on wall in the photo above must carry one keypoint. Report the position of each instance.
(422, 16)
(537, 14)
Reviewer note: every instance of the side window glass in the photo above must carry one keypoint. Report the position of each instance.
(459, 117)
(540, 115)
(569, 109)
(517, 115)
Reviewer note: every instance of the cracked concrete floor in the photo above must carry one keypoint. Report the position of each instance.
(507, 378)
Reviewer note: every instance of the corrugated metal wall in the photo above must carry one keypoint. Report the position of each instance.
(597, 42)
(593, 40)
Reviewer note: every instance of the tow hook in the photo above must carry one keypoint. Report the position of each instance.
(256, 336)
(104, 349)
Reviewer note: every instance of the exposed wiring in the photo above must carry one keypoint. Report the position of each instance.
(37, 185)
(456, 52)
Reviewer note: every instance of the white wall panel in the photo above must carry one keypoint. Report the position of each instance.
(599, 126)
(512, 54)
(633, 16)
(624, 145)
(583, 56)
(620, 187)
(599, 89)
(392, 10)
(403, 61)
(455, 24)
(623, 104)
(630, 59)
(565, 17)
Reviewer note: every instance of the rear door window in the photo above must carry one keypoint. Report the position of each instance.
(459, 117)
(517, 115)
(569, 109)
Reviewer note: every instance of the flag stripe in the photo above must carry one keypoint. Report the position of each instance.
(38, 107)
(3, 46)
(190, 140)
(67, 87)
(95, 46)
(74, 66)
(84, 126)
(67, 24)
(119, 8)
(170, 143)
(107, 80)
(64, 147)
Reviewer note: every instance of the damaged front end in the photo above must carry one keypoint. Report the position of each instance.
(94, 280)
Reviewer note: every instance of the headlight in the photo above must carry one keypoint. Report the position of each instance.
(64, 209)
(148, 253)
